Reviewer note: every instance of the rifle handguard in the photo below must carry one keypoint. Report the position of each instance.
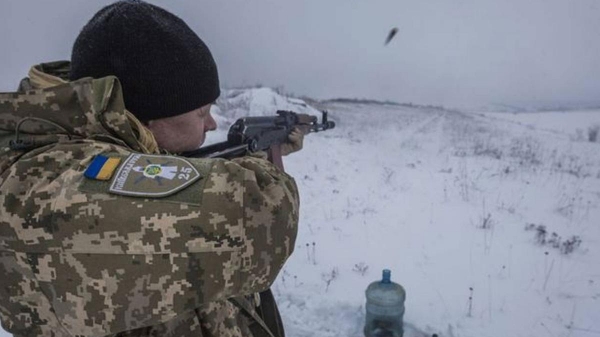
(252, 134)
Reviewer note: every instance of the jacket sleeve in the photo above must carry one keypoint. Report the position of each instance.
(109, 263)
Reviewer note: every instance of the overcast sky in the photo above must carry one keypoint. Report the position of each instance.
(455, 53)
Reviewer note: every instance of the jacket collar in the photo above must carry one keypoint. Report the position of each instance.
(84, 109)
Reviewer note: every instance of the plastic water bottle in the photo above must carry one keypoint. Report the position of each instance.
(385, 308)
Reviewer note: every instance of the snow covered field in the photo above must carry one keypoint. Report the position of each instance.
(506, 205)
(490, 221)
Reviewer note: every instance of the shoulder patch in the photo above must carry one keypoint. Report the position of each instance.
(143, 175)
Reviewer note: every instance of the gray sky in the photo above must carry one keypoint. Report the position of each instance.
(455, 53)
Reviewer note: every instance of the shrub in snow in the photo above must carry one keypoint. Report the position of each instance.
(526, 151)
(570, 245)
(593, 133)
(554, 240)
(329, 277)
(360, 268)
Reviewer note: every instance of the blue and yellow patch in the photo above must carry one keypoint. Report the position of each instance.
(102, 168)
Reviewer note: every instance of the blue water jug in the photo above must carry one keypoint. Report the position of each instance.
(385, 308)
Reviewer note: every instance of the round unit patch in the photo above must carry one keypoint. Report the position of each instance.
(146, 175)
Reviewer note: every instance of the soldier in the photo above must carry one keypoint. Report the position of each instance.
(104, 230)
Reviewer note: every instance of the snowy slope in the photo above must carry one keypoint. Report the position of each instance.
(449, 202)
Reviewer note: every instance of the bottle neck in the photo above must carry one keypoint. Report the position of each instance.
(387, 276)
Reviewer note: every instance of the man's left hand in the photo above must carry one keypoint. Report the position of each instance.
(294, 143)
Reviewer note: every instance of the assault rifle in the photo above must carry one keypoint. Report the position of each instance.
(251, 134)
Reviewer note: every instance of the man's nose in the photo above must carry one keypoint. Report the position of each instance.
(210, 123)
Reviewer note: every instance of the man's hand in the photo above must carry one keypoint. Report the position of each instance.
(294, 143)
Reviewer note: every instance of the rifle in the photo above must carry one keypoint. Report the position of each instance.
(251, 134)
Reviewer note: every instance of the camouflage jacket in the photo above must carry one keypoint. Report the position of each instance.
(77, 258)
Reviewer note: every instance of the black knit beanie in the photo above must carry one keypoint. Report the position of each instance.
(164, 67)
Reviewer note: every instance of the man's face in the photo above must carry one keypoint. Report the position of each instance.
(185, 132)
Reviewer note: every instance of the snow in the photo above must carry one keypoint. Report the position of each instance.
(449, 201)
(574, 123)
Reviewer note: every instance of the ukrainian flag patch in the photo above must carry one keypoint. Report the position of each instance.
(102, 168)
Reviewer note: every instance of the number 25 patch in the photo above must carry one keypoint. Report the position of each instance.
(144, 175)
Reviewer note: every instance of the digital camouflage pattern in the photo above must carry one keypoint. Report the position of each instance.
(76, 260)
